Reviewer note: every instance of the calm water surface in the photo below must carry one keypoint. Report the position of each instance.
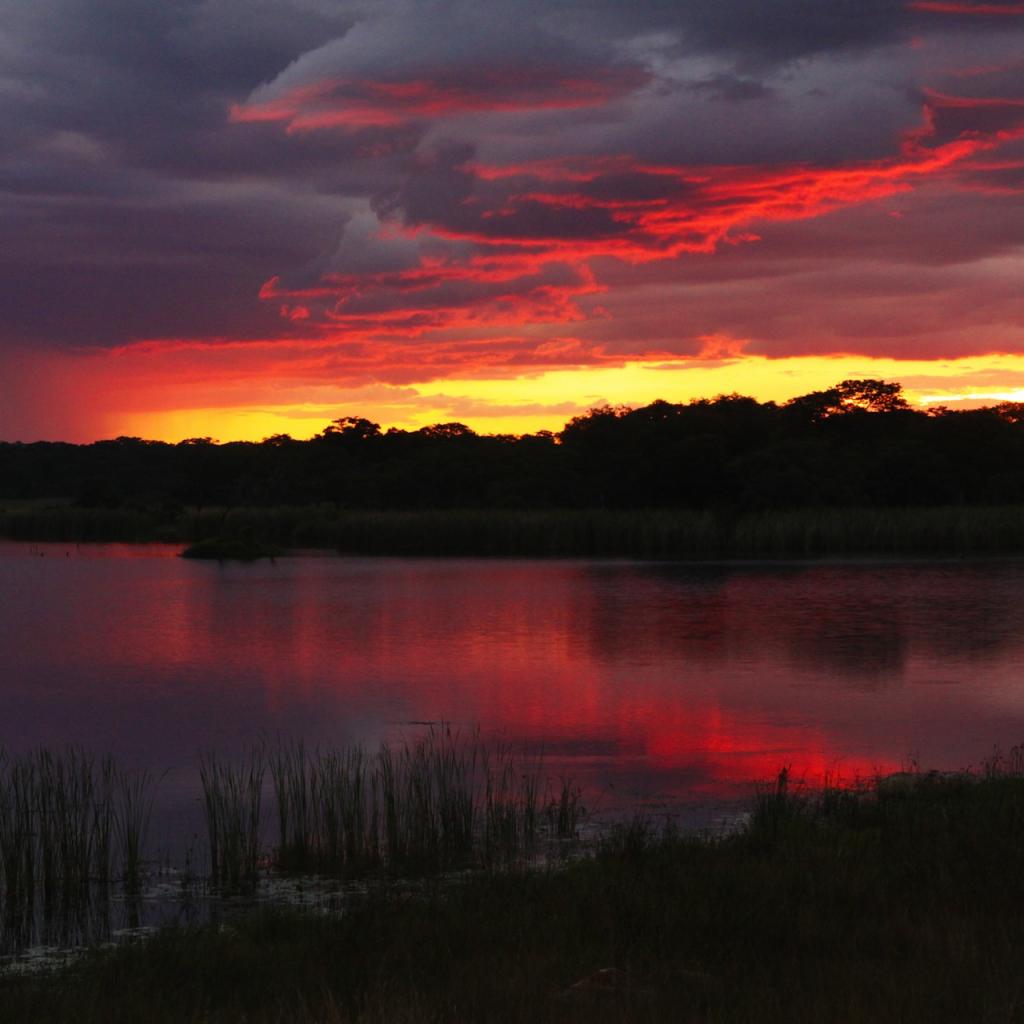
(645, 682)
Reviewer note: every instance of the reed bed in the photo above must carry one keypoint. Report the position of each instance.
(131, 813)
(437, 802)
(233, 802)
(70, 826)
(74, 523)
(957, 530)
(895, 901)
(73, 827)
(525, 533)
(546, 533)
(578, 533)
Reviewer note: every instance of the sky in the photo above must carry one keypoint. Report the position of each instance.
(236, 218)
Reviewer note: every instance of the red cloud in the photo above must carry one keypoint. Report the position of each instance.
(638, 212)
(538, 226)
(360, 103)
(499, 289)
(952, 7)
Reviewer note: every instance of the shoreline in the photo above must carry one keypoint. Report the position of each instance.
(901, 903)
(647, 534)
(175, 549)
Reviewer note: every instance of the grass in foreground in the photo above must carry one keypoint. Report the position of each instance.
(437, 802)
(68, 822)
(73, 827)
(905, 903)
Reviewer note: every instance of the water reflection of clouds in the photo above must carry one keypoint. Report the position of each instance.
(694, 678)
(858, 623)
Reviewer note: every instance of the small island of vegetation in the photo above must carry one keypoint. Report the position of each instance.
(237, 549)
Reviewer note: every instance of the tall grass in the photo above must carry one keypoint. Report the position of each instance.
(878, 531)
(232, 798)
(895, 901)
(66, 822)
(546, 533)
(67, 522)
(73, 828)
(348, 813)
(427, 793)
(131, 816)
(565, 811)
(69, 826)
(435, 802)
(297, 786)
(537, 533)
(19, 837)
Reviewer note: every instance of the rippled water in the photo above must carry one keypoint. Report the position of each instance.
(645, 682)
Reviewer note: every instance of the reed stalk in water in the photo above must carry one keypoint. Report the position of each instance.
(69, 825)
(232, 798)
(431, 803)
(131, 816)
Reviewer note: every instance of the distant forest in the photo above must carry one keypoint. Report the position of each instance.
(856, 444)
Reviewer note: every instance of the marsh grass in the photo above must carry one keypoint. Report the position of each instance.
(565, 810)
(435, 802)
(73, 828)
(18, 838)
(66, 820)
(233, 802)
(131, 815)
(69, 826)
(298, 784)
(63, 521)
(541, 533)
(894, 900)
(960, 529)
(349, 839)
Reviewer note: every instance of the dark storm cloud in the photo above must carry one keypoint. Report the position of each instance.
(731, 87)
(764, 32)
(102, 272)
(112, 141)
(161, 162)
(443, 191)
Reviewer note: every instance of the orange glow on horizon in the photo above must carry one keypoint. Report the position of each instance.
(500, 223)
(547, 399)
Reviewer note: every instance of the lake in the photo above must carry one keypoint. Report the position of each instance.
(651, 684)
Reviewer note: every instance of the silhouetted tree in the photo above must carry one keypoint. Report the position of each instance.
(871, 396)
(446, 431)
(858, 443)
(350, 428)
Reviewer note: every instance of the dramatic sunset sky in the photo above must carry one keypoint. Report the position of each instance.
(241, 217)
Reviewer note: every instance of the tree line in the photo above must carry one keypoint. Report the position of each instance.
(857, 444)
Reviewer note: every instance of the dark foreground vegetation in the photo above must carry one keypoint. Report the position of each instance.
(438, 802)
(73, 828)
(900, 902)
(729, 475)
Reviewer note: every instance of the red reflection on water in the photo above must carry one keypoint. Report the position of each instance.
(652, 679)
